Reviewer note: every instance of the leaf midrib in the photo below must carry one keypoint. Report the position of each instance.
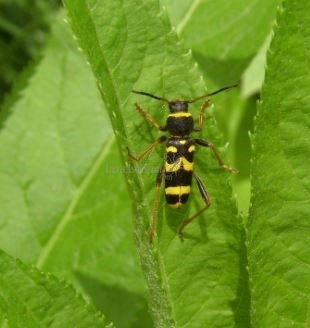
(191, 10)
(166, 316)
(66, 218)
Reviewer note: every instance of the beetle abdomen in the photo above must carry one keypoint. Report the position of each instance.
(178, 170)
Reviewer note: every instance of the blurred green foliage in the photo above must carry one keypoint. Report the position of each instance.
(63, 197)
(24, 26)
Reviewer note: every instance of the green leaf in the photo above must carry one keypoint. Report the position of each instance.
(20, 84)
(32, 299)
(278, 244)
(201, 282)
(224, 35)
(254, 75)
(223, 29)
(59, 171)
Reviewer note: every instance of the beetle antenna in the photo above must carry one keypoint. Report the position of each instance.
(213, 93)
(150, 95)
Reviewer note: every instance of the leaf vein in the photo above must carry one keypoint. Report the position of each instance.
(66, 218)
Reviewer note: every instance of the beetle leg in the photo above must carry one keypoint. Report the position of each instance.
(216, 155)
(149, 118)
(159, 179)
(205, 198)
(201, 114)
(148, 149)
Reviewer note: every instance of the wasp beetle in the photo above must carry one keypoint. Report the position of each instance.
(177, 170)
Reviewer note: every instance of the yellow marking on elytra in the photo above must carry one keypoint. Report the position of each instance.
(176, 205)
(180, 114)
(179, 190)
(172, 149)
(191, 148)
(182, 161)
(182, 142)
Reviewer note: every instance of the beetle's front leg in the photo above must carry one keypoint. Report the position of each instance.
(149, 118)
(201, 114)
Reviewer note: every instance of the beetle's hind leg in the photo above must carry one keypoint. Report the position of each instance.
(205, 198)
(159, 180)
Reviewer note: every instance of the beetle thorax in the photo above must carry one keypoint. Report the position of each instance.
(179, 122)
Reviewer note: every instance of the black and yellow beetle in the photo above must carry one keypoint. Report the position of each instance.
(179, 160)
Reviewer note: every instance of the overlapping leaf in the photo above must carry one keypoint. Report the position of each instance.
(278, 243)
(30, 299)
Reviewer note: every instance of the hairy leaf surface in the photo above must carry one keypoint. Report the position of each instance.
(199, 282)
(278, 244)
(31, 299)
